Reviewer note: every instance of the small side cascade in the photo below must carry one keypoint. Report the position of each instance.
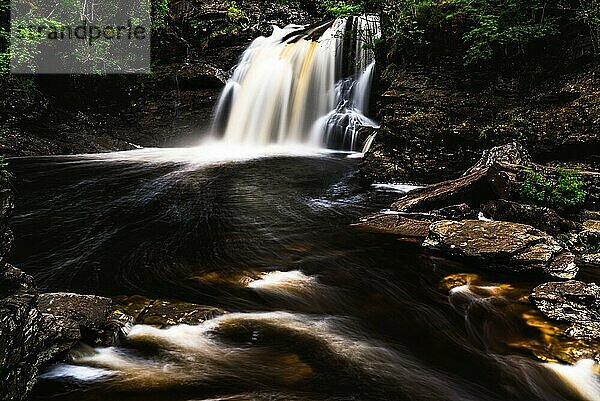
(302, 85)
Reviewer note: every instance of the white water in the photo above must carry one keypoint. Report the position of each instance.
(293, 88)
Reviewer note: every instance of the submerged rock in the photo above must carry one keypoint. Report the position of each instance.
(573, 302)
(512, 246)
(163, 313)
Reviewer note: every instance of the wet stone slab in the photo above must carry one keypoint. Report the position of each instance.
(163, 313)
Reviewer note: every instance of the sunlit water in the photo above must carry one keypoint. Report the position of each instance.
(319, 310)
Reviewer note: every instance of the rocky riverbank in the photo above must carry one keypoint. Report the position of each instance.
(496, 216)
(39, 328)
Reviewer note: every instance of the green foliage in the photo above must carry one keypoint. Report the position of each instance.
(234, 12)
(564, 237)
(567, 191)
(407, 21)
(160, 14)
(4, 174)
(589, 13)
(487, 30)
(502, 26)
(340, 8)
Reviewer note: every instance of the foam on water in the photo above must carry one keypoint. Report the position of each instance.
(582, 377)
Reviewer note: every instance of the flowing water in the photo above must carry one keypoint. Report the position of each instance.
(302, 85)
(261, 228)
(319, 310)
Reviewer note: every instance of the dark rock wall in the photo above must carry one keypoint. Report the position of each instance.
(437, 118)
(20, 321)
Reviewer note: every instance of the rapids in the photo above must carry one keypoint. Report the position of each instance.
(319, 311)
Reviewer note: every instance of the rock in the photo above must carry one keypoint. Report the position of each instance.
(201, 76)
(455, 212)
(592, 225)
(163, 313)
(395, 224)
(511, 153)
(572, 302)
(586, 242)
(88, 311)
(542, 218)
(436, 118)
(6, 204)
(470, 189)
(591, 259)
(28, 338)
(507, 245)
(93, 315)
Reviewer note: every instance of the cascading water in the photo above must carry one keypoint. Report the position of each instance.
(302, 85)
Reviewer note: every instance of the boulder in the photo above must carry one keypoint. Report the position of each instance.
(91, 314)
(88, 311)
(542, 218)
(501, 244)
(573, 302)
(28, 337)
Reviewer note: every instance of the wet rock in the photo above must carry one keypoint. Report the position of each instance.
(573, 302)
(6, 204)
(396, 224)
(455, 212)
(87, 311)
(470, 189)
(542, 218)
(163, 313)
(506, 245)
(91, 314)
(28, 338)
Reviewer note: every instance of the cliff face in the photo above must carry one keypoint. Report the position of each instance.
(436, 119)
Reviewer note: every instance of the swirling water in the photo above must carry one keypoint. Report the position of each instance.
(319, 310)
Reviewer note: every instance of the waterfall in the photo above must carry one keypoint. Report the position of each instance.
(307, 85)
